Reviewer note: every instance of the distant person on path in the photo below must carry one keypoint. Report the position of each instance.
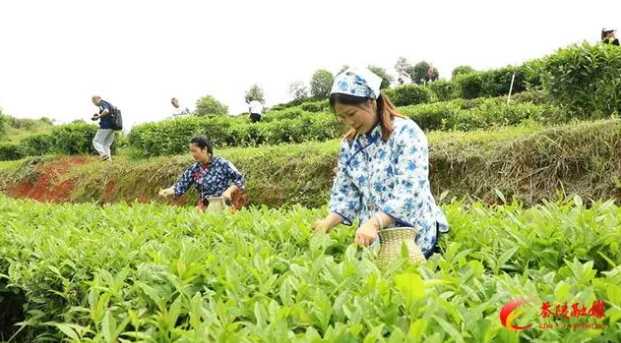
(213, 176)
(178, 110)
(383, 167)
(256, 110)
(105, 135)
(431, 76)
(608, 36)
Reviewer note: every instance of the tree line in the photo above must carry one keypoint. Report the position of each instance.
(318, 88)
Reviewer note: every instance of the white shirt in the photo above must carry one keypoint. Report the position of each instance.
(256, 107)
(179, 111)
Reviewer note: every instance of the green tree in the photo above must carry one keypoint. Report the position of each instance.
(298, 91)
(402, 67)
(255, 93)
(208, 105)
(418, 72)
(321, 84)
(381, 72)
(462, 70)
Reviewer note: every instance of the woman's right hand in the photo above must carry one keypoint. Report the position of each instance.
(331, 221)
(323, 224)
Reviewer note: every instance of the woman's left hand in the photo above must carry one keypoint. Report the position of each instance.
(226, 196)
(167, 192)
(366, 234)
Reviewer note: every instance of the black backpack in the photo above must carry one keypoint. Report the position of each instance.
(117, 118)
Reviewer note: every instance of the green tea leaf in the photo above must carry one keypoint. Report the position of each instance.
(375, 335)
(561, 291)
(411, 286)
(68, 330)
(450, 329)
(108, 327)
(174, 311)
(417, 329)
(152, 293)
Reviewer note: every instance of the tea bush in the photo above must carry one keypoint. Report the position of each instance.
(497, 82)
(443, 90)
(85, 273)
(292, 126)
(67, 139)
(10, 152)
(584, 80)
(409, 95)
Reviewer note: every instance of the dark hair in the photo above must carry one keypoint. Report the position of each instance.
(386, 111)
(606, 32)
(202, 142)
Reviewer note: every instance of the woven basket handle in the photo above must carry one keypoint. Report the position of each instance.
(415, 229)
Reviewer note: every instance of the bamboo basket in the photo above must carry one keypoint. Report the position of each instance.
(391, 241)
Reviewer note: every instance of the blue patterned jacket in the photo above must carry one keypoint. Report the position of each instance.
(211, 180)
(391, 177)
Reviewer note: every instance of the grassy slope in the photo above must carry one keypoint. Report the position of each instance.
(16, 135)
(25, 128)
(525, 163)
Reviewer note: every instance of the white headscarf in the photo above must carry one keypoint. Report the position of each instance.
(357, 82)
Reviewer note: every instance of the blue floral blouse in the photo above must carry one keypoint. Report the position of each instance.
(391, 177)
(211, 180)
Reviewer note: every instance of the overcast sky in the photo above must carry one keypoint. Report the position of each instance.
(54, 55)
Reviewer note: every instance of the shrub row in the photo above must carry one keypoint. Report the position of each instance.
(68, 139)
(171, 137)
(497, 82)
(453, 115)
(435, 93)
(293, 125)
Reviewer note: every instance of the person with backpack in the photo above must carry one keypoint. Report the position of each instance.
(109, 121)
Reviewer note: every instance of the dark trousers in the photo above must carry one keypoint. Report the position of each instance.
(436, 246)
(255, 117)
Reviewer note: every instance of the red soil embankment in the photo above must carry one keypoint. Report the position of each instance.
(45, 184)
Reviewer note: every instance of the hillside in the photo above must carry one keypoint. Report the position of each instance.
(525, 163)
(16, 129)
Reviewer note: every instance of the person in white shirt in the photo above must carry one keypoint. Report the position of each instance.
(178, 110)
(256, 110)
